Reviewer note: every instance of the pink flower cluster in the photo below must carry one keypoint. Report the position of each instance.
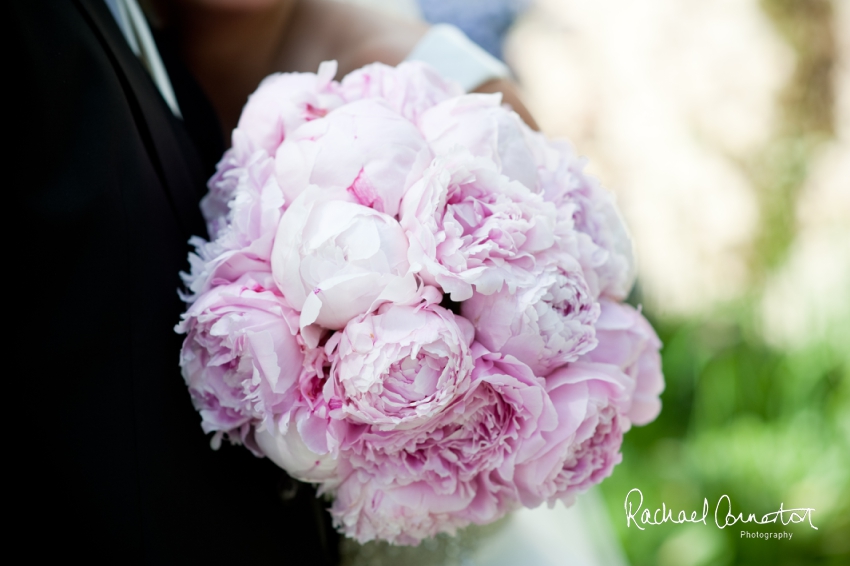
(414, 301)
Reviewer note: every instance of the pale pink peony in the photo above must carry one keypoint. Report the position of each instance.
(591, 400)
(363, 147)
(480, 124)
(319, 400)
(241, 358)
(287, 449)
(606, 252)
(471, 227)
(282, 103)
(305, 440)
(550, 168)
(254, 210)
(458, 469)
(409, 88)
(400, 367)
(212, 264)
(334, 260)
(627, 340)
(215, 206)
(544, 325)
(243, 243)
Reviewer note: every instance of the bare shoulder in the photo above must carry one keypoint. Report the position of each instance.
(353, 35)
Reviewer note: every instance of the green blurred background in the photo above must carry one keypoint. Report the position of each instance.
(740, 418)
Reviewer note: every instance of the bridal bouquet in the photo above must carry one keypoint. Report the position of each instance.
(413, 301)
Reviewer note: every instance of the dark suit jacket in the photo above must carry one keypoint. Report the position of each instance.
(105, 184)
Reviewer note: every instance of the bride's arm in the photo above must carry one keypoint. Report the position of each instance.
(231, 45)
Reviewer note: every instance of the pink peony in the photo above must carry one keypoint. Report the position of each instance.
(627, 340)
(545, 325)
(456, 469)
(402, 365)
(590, 400)
(240, 358)
(364, 147)
(334, 260)
(470, 226)
(409, 88)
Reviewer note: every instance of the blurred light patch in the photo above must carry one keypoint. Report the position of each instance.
(693, 545)
(668, 98)
(808, 299)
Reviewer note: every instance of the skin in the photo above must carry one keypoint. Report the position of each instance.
(231, 45)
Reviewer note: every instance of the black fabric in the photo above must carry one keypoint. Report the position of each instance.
(113, 465)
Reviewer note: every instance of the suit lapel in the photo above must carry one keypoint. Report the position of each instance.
(177, 164)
